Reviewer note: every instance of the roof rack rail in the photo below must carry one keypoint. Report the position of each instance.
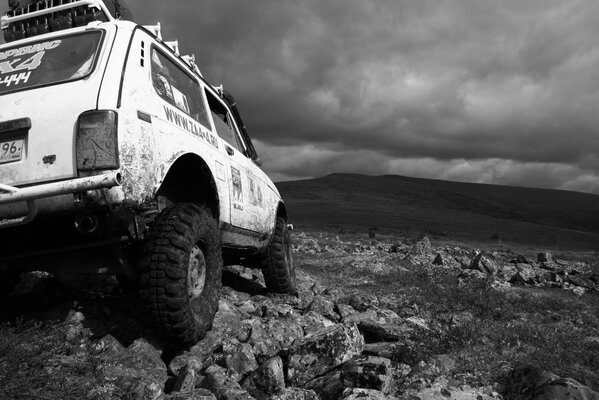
(156, 30)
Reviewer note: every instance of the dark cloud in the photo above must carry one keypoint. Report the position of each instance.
(486, 91)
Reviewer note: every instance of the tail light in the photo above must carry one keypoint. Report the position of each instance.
(97, 140)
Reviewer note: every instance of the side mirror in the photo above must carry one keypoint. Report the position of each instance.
(257, 161)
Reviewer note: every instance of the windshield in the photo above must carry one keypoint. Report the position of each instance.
(48, 62)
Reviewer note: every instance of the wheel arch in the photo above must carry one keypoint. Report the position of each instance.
(176, 185)
(282, 211)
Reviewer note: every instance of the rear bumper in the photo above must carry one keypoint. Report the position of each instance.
(11, 195)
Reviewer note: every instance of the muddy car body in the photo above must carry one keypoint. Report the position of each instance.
(109, 140)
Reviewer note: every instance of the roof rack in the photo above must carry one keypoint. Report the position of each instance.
(42, 8)
(52, 15)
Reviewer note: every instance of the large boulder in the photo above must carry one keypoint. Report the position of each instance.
(314, 355)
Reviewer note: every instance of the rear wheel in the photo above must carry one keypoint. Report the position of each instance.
(181, 270)
(277, 261)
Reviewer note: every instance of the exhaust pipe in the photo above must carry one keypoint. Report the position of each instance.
(86, 223)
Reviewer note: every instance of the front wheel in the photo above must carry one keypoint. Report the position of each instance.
(181, 270)
(277, 261)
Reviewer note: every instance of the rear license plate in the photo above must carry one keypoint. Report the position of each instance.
(11, 150)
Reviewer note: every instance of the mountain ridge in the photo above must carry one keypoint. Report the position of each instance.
(541, 216)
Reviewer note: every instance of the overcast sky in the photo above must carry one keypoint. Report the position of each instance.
(491, 91)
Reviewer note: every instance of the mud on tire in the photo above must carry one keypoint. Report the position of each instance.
(180, 272)
(277, 261)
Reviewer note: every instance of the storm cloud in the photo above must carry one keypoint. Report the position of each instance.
(486, 91)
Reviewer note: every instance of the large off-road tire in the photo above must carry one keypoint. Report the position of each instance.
(277, 261)
(180, 272)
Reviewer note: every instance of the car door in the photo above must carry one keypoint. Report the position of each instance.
(246, 188)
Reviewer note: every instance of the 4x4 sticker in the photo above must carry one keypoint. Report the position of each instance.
(189, 125)
(15, 61)
(237, 189)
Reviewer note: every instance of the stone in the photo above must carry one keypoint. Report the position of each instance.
(199, 356)
(235, 297)
(566, 389)
(186, 380)
(325, 307)
(312, 322)
(327, 386)
(269, 337)
(440, 389)
(267, 380)
(472, 274)
(380, 332)
(223, 386)
(484, 264)
(345, 310)
(139, 362)
(107, 347)
(365, 394)
(525, 274)
(267, 308)
(239, 358)
(438, 260)
(314, 355)
(544, 257)
(520, 259)
(532, 382)
(582, 282)
(390, 350)
(295, 394)
(196, 394)
(362, 302)
(367, 372)
(228, 321)
(421, 252)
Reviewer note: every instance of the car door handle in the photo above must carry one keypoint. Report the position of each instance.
(229, 150)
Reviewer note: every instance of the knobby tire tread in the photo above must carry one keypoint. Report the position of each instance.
(163, 277)
(278, 276)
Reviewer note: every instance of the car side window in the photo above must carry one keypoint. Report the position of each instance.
(223, 122)
(178, 88)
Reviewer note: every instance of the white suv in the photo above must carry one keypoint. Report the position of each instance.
(118, 157)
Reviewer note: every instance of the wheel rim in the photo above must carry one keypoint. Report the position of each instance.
(196, 273)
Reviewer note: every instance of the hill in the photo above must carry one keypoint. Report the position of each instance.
(554, 219)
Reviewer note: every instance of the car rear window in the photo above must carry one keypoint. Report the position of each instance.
(178, 88)
(48, 62)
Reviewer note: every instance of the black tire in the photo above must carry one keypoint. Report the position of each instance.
(180, 272)
(277, 261)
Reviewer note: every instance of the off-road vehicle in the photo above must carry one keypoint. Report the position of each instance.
(118, 157)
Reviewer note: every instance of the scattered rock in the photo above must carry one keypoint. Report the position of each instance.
(544, 257)
(196, 394)
(421, 252)
(484, 264)
(295, 394)
(186, 380)
(313, 355)
(364, 394)
(223, 386)
(367, 372)
(534, 383)
(267, 380)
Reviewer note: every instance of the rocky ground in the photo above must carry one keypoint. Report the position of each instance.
(378, 317)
